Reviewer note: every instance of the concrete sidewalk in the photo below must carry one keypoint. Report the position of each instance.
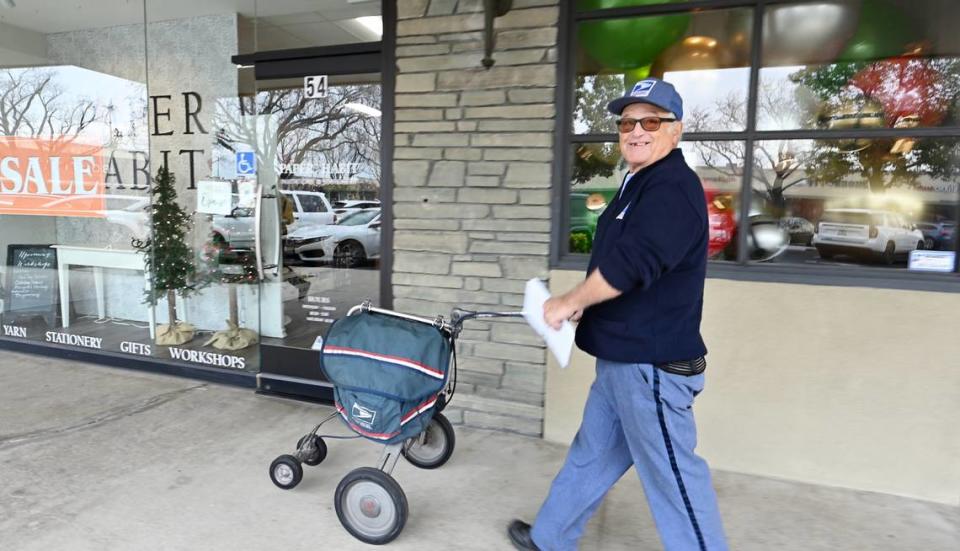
(105, 459)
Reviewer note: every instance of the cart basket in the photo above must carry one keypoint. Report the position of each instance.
(387, 372)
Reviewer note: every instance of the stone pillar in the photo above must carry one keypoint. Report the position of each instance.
(472, 171)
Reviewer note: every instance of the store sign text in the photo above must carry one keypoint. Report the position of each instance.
(136, 348)
(162, 125)
(74, 340)
(50, 177)
(14, 331)
(208, 358)
(191, 111)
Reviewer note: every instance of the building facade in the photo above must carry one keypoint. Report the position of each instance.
(424, 155)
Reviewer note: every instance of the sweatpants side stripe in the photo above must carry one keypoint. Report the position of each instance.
(673, 460)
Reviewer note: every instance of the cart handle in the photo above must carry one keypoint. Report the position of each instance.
(457, 316)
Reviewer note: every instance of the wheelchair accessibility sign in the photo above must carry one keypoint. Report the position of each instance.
(246, 163)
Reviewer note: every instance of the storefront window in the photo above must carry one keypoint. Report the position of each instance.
(861, 202)
(840, 84)
(705, 55)
(720, 167)
(596, 176)
(324, 154)
(264, 225)
(598, 172)
(215, 297)
(75, 182)
(854, 65)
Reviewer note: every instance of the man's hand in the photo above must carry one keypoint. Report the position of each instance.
(559, 309)
(570, 306)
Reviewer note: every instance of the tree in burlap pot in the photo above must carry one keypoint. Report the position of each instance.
(221, 264)
(169, 259)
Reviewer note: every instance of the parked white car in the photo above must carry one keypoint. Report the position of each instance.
(310, 208)
(863, 232)
(348, 243)
(236, 229)
(349, 206)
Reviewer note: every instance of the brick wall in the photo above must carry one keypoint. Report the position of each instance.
(472, 165)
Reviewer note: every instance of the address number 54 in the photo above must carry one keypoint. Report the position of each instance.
(315, 86)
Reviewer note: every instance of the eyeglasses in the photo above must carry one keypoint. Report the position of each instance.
(650, 124)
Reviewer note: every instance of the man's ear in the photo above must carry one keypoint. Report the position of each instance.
(678, 131)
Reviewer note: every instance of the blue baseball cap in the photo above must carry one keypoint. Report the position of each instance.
(653, 91)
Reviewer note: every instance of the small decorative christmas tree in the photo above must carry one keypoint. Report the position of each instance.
(169, 259)
(222, 264)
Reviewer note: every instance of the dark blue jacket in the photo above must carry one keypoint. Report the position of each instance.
(656, 254)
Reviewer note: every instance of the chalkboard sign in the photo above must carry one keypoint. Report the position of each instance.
(31, 282)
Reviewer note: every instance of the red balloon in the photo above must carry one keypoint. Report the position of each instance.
(911, 90)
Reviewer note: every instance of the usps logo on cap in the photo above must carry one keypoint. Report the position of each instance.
(642, 89)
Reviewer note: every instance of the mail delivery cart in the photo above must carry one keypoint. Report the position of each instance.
(393, 374)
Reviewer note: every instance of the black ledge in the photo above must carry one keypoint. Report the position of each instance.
(128, 361)
(835, 276)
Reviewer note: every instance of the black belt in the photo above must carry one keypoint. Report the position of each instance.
(687, 368)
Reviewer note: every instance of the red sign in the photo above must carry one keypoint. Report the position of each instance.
(51, 178)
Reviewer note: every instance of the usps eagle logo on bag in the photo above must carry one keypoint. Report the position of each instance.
(362, 415)
(642, 89)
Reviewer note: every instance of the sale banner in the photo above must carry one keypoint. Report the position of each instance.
(51, 177)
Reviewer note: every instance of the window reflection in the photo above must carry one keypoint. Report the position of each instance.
(598, 172)
(320, 160)
(59, 114)
(872, 204)
(705, 55)
(847, 65)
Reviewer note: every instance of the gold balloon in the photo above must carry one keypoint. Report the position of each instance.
(690, 54)
(855, 113)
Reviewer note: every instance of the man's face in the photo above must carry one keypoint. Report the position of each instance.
(641, 148)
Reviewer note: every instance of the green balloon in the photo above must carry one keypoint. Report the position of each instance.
(883, 31)
(627, 43)
(633, 76)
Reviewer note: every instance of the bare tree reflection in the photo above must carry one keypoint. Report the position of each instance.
(904, 99)
(34, 105)
(286, 130)
(777, 165)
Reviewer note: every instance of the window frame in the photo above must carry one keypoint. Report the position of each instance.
(741, 269)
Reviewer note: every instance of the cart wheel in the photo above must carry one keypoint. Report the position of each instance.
(317, 456)
(371, 505)
(286, 472)
(436, 447)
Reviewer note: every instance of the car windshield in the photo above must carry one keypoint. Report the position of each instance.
(861, 218)
(358, 218)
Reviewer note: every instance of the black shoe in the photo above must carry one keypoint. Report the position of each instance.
(519, 533)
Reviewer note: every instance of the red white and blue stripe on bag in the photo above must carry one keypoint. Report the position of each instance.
(395, 360)
(410, 416)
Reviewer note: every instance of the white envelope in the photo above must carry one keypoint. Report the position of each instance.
(559, 342)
